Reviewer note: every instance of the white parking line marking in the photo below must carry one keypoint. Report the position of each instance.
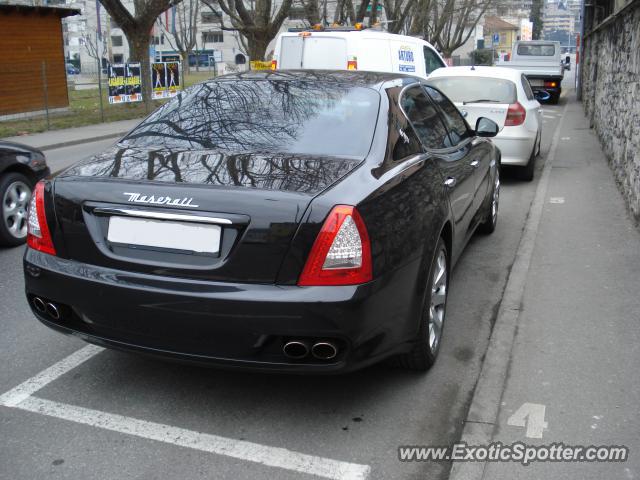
(20, 393)
(21, 397)
(240, 449)
(556, 200)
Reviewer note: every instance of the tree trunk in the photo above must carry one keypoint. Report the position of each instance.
(257, 46)
(139, 52)
(186, 68)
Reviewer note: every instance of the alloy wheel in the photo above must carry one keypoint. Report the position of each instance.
(495, 200)
(438, 301)
(14, 208)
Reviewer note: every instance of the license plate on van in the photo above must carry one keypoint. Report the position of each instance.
(537, 83)
(144, 232)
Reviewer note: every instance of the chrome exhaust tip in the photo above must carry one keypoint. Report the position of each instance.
(296, 349)
(53, 311)
(39, 304)
(324, 350)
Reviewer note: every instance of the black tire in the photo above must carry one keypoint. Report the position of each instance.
(490, 220)
(423, 355)
(9, 182)
(526, 173)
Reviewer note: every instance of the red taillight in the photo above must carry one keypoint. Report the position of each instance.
(38, 235)
(551, 84)
(274, 64)
(341, 255)
(515, 115)
(352, 64)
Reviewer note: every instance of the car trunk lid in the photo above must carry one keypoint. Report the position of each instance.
(494, 111)
(227, 217)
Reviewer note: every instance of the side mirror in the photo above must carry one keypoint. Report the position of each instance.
(485, 127)
(541, 95)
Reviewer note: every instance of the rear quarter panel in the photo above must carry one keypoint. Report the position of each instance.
(404, 207)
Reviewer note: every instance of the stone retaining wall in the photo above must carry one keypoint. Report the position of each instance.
(611, 96)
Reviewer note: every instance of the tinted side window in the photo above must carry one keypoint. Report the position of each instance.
(431, 60)
(456, 124)
(527, 88)
(424, 117)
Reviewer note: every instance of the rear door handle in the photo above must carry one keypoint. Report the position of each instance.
(475, 163)
(450, 182)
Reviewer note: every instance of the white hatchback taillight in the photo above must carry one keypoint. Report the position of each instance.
(516, 115)
(341, 255)
(38, 235)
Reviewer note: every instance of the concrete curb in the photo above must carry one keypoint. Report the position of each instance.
(80, 141)
(485, 404)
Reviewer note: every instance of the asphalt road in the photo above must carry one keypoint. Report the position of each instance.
(359, 418)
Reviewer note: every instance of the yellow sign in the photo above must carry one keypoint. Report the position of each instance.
(258, 65)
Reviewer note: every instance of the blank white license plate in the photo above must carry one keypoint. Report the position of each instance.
(537, 83)
(194, 237)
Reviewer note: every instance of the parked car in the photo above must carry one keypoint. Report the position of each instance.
(72, 69)
(351, 48)
(540, 61)
(292, 221)
(505, 96)
(21, 167)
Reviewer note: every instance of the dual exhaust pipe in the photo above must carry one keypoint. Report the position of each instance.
(47, 308)
(299, 349)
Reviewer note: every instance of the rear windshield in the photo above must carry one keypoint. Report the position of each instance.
(292, 116)
(537, 50)
(480, 89)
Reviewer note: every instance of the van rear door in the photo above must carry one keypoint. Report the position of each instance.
(324, 53)
(290, 52)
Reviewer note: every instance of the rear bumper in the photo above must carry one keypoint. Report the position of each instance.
(515, 146)
(224, 324)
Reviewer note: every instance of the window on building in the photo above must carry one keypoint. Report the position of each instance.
(297, 13)
(116, 40)
(212, 37)
(210, 17)
(158, 40)
(118, 58)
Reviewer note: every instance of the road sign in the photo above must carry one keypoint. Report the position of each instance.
(496, 38)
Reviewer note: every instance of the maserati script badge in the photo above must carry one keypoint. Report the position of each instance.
(164, 200)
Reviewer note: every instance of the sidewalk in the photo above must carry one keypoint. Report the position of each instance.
(576, 355)
(75, 136)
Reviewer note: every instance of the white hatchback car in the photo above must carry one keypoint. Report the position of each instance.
(505, 96)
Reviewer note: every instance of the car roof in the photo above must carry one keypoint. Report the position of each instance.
(478, 71)
(365, 33)
(356, 78)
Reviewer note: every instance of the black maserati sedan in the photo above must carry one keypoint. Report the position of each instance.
(301, 221)
(21, 166)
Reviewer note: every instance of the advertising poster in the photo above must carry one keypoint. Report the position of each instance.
(124, 83)
(165, 79)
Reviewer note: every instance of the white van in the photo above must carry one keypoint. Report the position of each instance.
(348, 48)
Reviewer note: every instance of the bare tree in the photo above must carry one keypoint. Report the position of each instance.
(398, 12)
(182, 34)
(258, 23)
(95, 48)
(448, 24)
(136, 27)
